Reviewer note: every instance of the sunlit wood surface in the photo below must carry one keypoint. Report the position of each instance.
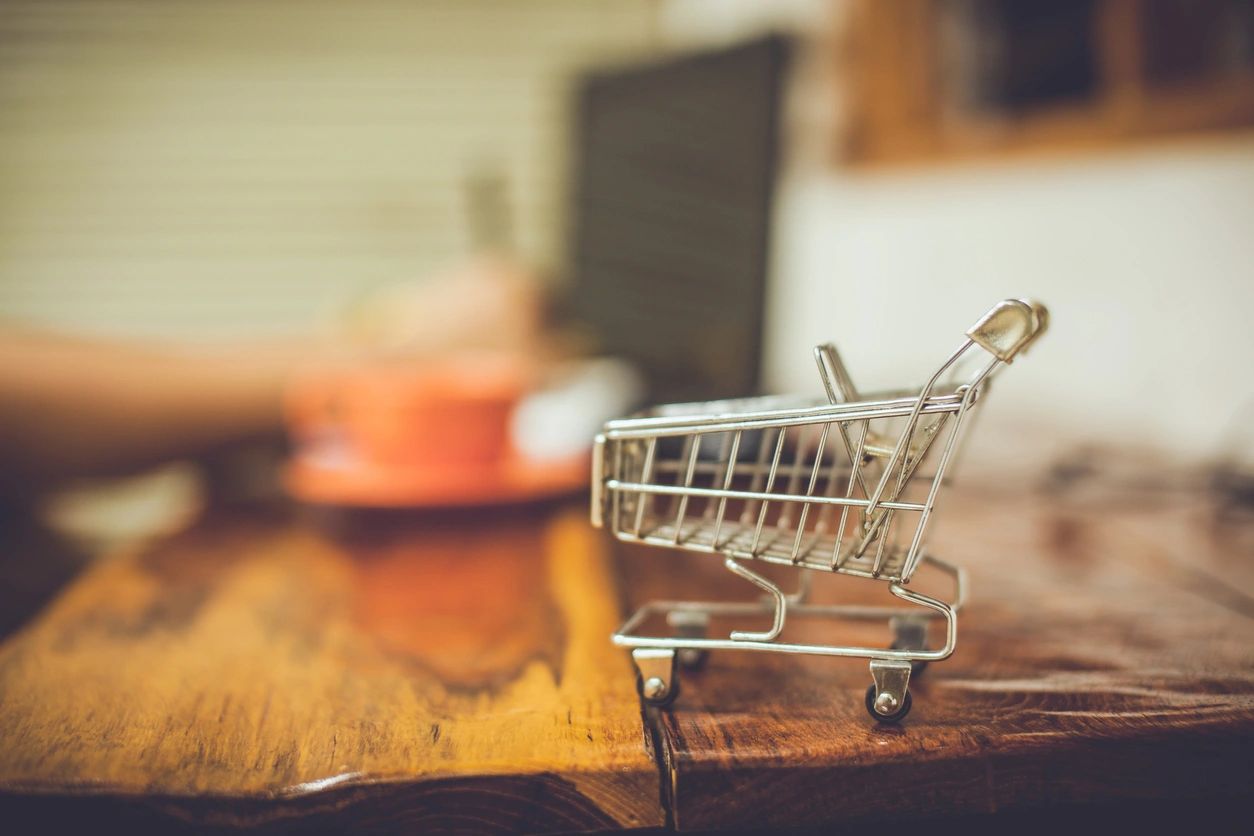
(439, 671)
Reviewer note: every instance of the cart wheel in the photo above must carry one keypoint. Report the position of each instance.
(690, 624)
(896, 717)
(657, 701)
(910, 634)
(691, 659)
(916, 668)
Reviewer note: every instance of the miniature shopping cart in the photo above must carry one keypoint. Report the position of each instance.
(845, 485)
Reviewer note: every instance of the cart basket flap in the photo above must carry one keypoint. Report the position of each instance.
(1009, 328)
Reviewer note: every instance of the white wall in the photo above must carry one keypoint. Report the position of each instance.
(191, 168)
(1145, 259)
(1144, 255)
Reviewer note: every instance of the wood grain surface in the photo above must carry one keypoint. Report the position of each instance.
(451, 672)
(395, 672)
(1106, 656)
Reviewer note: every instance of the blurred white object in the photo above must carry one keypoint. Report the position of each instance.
(557, 421)
(109, 514)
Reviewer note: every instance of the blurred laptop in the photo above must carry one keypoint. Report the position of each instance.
(675, 167)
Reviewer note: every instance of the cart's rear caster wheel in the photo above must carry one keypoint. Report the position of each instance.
(916, 667)
(691, 659)
(896, 713)
(910, 634)
(690, 624)
(656, 693)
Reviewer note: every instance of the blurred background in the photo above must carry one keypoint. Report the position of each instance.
(703, 189)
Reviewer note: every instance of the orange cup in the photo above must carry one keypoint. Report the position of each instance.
(439, 414)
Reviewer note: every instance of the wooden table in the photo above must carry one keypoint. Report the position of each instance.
(404, 673)
(1105, 656)
(275, 672)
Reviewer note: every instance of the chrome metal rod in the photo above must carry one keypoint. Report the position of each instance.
(680, 490)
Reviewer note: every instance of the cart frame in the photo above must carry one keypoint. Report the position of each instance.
(630, 484)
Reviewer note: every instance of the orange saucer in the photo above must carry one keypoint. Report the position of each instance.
(337, 477)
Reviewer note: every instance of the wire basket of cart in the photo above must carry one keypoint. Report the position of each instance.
(846, 484)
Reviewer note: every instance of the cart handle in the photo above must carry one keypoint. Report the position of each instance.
(1009, 328)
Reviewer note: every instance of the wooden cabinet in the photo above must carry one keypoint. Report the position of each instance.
(927, 80)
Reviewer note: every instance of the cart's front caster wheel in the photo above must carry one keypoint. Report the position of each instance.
(653, 691)
(896, 711)
(656, 681)
(888, 700)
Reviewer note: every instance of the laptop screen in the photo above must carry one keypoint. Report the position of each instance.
(675, 169)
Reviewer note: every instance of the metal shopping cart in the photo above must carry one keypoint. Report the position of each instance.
(845, 485)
